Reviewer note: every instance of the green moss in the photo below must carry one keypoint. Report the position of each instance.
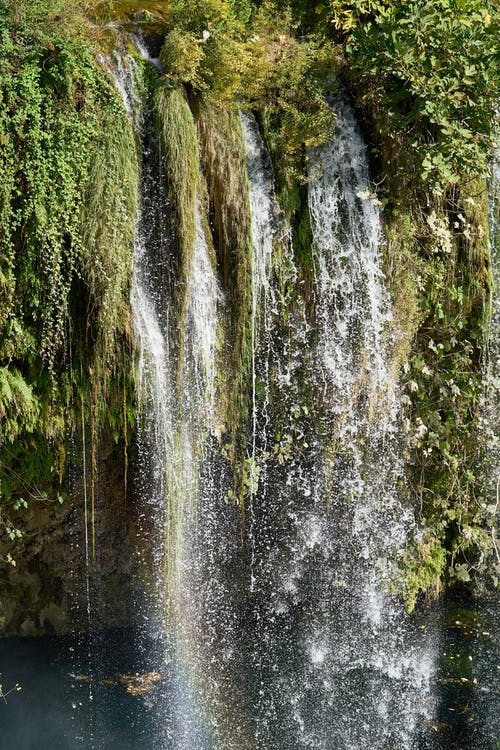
(182, 167)
(292, 196)
(438, 270)
(424, 570)
(67, 223)
(224, 163)
(404, 270)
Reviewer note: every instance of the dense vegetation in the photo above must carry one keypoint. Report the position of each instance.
(69, 174)
(422, 75)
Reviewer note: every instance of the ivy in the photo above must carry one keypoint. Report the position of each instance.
(67, 224)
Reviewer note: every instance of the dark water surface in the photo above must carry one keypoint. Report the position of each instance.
(60, 707)
(468, 675)
(73, 697)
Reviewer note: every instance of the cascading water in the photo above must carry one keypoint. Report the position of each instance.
(202, 319)
(315, 653)
(337, 659)
(195, 391)
(272, 624)
(264, 213)
(150, 305)
(353, 311)
(177, 392)
(195, 422)
(353, 318)
(484, 670)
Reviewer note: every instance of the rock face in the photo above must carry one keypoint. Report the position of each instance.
(57, 586)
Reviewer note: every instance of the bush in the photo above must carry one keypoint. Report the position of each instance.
(430, 72)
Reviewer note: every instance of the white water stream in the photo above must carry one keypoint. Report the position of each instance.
(353, 308)
(339, 663)
(316, 654)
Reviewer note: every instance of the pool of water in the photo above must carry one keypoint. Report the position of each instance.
(72, 694)
(115, 690)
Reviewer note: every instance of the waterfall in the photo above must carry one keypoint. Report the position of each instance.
(188, 487)
(353, 311)
(177, 344)
(195, 416)
(337, 661)
(484, 652)
(353, 322)
(258, 526)
(150, 310)
(159, 466)
(203, 300)
(263, 211)
(315, 653)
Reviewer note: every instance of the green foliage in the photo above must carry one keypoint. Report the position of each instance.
(207, 46)
(56, 97)
(182, 165)
(253, 59)
(425, 77)
(182, 55)
(440, 311)
(424, 570)
(225, 167)
(16, 400)
(67, 222)
(428, 70)
(107, 221)
(293, 98)
(214, 16)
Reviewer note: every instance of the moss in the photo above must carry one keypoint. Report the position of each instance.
(182, 166)
(437, 265)
(224, 163)
(181, 160)
(292, 198)
(424, 570)
(67, 224)
(469, 212)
